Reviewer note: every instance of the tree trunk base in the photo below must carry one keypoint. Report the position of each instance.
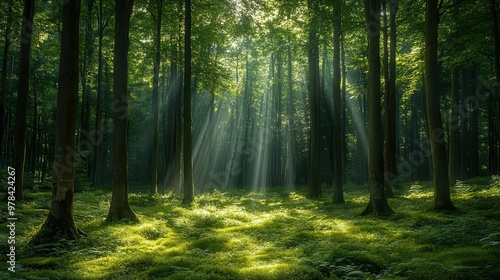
(55, 229)
(121, 213)
(378, 207)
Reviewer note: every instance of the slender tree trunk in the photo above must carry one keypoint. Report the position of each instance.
(378, 204)
(338, 196)
(3, 80)
(496, 35)
(154, 156)
(60, 221)
(188, 158)
(22, 97)
(96, 173)
(313, 181)
(291, 135)
(442, 199)
(120, 208)
(454, 150)
(391, 171)
(344, 111)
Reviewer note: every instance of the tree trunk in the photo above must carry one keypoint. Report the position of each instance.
(338, 196)
(454, 150)
(391, 171)
(22, 97)
(496, 35)
(154, 156)
(313, 180)
(442, 199)
(120, 208)
(188, 159)
(60, 221)
(3, 80)
(290, 174)
(378, 204)
(97, 172)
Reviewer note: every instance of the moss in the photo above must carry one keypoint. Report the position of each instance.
(271, 235)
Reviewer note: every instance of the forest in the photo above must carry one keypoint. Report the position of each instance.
(250, 139)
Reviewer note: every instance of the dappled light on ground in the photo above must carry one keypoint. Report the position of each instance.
(234, 234)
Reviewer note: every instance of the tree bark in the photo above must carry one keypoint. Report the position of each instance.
(120, 208)
(22, 96)
(60, 221)
(188, 158)
(441, 185)
(338, 196)
(378, 204)
(290, 174)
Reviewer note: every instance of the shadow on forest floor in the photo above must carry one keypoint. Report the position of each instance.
(234, 234)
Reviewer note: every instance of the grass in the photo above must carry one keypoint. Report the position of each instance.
(236, 234)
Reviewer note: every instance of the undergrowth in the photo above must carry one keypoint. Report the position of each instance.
(236, 234)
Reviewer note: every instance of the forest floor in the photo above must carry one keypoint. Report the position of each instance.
(236, 234)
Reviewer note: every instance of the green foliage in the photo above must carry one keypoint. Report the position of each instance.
(272, 235)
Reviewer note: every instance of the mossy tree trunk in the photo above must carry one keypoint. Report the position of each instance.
(60, 221)
(120, 208)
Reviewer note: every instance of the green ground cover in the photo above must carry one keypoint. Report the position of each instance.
(235, 234)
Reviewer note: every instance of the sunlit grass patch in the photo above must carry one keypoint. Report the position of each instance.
(272, 235)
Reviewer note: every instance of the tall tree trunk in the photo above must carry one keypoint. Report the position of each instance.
(313, 180)
(290, 175)
(154, 151)
(391, 170)
(338, 196)
(96, 173)
(22, 96)
(3, 80)
(441, 185)
(496, 35)
(344, 110)
(60, 221)
(120, 208)
(188, 158)
(378, 204)
(454, 150)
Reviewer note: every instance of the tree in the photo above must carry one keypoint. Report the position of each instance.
(378, 204)
(442, 199)
(60, 221)
(22, 96)
(120, 208)
(496, 35)
(313, 180)
(338, 196)
(188, 158)
(3, 81)
(154, 151)
(391, 170)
